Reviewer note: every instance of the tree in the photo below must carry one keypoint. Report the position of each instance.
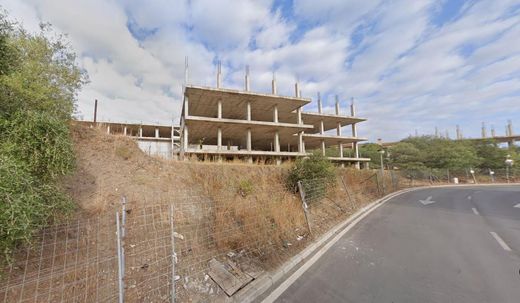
(39, 72)
(492, 156)
(405, 155)
(39, 80)
(371, 151)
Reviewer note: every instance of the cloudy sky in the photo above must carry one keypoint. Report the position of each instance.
(410, 65)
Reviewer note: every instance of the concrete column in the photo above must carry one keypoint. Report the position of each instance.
(156, 132)
(338, 129)
(185, 138)
(140, 132)
(247, 84)
(248, 140)
(320, 107)
(219, 138)
(299, 116)
(297, 90)
(219, 109)
(484, 135)
(277, 141)
(277, 147)
(340, 147)
(219, 74)
(125, 131)
(249, 145)
(300, 142)
(322, 128)
(108, 129)
(337, 105)
(275, 114)
(186, 106)
(273, 84)
(355, 146)
(323, 147)
(248, 111)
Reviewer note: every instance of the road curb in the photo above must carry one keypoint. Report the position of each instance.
(266, 280)
(259, 286)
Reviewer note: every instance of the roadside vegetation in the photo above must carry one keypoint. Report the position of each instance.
(39, 79)
(427, 152)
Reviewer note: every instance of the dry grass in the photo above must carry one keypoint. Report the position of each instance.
(220, 208)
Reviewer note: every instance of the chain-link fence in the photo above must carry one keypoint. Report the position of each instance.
(463, 176)
(71, 262)
(194, 246)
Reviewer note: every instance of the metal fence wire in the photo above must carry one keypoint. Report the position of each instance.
(193, 246)
(70, 262)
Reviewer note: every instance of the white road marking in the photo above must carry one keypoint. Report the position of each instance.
(298, 273)
(427, 201)
(517, 206)
(475, 211)
(500, 241)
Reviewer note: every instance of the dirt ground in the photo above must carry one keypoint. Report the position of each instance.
(233, 212)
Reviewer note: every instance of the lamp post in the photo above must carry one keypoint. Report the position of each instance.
(472, 172)
(492, 175)
(381, 153)
(509, 163)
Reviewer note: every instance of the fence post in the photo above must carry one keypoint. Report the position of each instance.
(394, 182)
(120, 257)
(123, 217)
(448, 172)
(174, 257)
(348, 194)
(304, 205)
(377, 183)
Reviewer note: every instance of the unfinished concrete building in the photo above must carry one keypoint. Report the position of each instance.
(224, 123)
(153, 139)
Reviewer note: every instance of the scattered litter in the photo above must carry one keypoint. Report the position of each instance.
(206, 277)
(178, 236)
(231, 254)
(176, 278)
(132, 245)
(145, 266)
(299, 238)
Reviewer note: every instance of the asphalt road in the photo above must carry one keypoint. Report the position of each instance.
(463, 247)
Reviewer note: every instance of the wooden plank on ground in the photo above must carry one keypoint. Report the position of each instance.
(229, 277)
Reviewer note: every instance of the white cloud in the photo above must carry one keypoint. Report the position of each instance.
(401, 67)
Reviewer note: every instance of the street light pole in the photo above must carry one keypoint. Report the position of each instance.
(509, 163)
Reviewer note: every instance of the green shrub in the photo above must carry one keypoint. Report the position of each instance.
(316, 168)
(245, 187)
(39, 80)
(42, 141)
(35, 153)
